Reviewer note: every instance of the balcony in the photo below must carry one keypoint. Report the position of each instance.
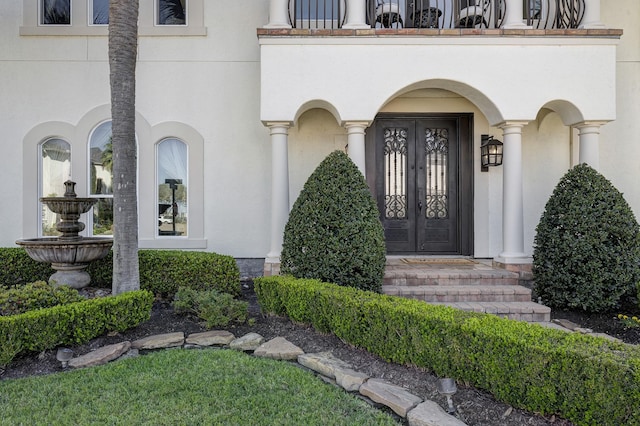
(396, 16)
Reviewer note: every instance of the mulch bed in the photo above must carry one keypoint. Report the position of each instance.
(475, 406)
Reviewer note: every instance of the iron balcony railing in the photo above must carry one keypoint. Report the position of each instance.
(539, 14)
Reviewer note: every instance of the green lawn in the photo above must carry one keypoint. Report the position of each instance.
(186, 387)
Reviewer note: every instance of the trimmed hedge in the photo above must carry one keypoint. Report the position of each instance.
(37, 295)
(334, 232)
(588, 380)
(161, 271)
(70, 324)
(19, 269)
(587, 245)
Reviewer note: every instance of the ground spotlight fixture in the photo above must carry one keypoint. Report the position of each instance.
(64, 355)
(448, 388)
(490, 152)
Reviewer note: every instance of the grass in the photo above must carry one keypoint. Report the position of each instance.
(179, 386)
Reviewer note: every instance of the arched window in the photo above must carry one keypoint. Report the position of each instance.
(101, 179)
(172, 180)
(55, 169)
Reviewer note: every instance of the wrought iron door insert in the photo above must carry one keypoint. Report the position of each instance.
(419, 183)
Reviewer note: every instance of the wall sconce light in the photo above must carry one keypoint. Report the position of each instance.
(490, 152)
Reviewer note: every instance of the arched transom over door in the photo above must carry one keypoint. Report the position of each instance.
(424, 174)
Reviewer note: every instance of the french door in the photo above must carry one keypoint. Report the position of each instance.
(424, 175)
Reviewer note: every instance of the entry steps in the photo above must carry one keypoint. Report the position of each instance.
(468, 285)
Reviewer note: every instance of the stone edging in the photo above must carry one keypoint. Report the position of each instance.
(416, 410)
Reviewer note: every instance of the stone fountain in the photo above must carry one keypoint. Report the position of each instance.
(70, 253)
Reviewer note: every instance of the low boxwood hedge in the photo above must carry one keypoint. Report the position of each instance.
(161, 271)
(75, 323)
(588, 380)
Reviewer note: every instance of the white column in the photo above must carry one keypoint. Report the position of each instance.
(356, 14)
(512, 198)
(589, 132)
(355, 141)
(279, 188)
(514, 15)
(278, 14)
(591, 18)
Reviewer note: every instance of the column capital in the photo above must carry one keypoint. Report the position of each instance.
(271, 124)
(278, 126)
(356, 124)
(585, 124)
(512, 124)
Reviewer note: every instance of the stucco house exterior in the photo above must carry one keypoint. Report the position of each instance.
(239, 101)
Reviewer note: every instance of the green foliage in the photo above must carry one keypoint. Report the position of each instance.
(161, 271)
(217, 309)
(19, 269)
(586, 379)
(70, 324)
(36, 296)
(334, 232)
(185, 387)
(587, 245)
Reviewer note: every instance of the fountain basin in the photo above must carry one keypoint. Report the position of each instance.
(62, 205)
(68, 258)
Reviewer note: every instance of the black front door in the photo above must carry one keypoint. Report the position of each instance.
(423, 176)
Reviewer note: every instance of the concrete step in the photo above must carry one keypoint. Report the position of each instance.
(461, 293)
(522, 311)
(449, 277)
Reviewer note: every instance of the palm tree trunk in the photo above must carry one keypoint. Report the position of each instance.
(123, 45)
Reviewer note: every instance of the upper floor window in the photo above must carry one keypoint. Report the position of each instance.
(100, 12)
(55, 169)
(91, 17)
(172, 12)
(55, 12)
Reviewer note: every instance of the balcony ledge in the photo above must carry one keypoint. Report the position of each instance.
(435, 32)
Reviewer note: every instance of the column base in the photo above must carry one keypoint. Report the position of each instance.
(517, 26)
(276, 25)
(356, 27)
(271, 266)
(592, 26)
(523, 266)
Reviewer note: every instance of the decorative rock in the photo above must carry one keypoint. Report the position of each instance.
(168, 340)
(328, 365)
(349, 379)
(398, 399)
(431, 414)
(100, 356)
(566, 324)
(248, 342)
(324, 363)
(278, 348)
(211, 338)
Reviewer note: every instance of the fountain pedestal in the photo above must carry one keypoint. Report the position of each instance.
(70, 253)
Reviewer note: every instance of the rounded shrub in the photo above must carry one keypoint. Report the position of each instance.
(334, 232)
(587, 245)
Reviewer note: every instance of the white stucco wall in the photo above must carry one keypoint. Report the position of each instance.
(210, 84)
(620, 140)
(217, 85)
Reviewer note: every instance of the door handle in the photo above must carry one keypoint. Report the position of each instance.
(420, 206)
